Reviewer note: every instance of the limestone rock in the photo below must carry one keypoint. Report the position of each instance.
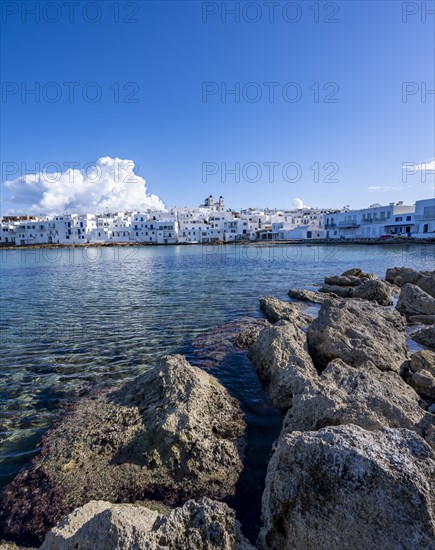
(343, 280)
(426, 337)
(415, 301)
(99, 525)
(423, 373)
(423, 360)
(307, 295)
(171, 434)
(427, 283)
(421, 320)
(423, 382)
(341, 291)
(282, 361)
(358, 331)
(348, 488)
(401, 275)
(359, 273)
(276, 310)
(366, 397)
(375, 291)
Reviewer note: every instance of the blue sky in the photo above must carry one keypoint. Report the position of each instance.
(175, 132)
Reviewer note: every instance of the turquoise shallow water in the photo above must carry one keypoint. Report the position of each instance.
(75, 318)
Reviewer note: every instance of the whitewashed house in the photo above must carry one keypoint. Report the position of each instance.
(369, 223)
(424, 219)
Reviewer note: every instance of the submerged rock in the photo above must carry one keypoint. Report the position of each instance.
(426, 337)
(348, 488)
(282, 361)
(358, 331)
(366, 397)
(415, 301)
(212, 346)
(171, 434)
(99, 525)
(276, 310)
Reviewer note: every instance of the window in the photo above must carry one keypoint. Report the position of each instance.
(408, 218)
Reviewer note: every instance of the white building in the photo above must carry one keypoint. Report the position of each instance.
(368, 223)
(424, 219)
(211, 223)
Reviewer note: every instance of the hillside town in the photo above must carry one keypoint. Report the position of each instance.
(211, 222)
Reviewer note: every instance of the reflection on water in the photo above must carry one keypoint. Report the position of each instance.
(74, 318)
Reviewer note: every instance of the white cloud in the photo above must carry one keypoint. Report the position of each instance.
(384, 188)
(109, 185)
(422, 166)
(299, 203)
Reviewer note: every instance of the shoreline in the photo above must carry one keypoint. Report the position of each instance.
(314, 242)
(331, 399)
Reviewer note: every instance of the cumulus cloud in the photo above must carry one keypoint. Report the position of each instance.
(299, 203)
(109, 185)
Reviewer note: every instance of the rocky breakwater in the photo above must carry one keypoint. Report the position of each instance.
(280, 354)
(416, 302)
(353, 283)
(354, 465)
(171, 434)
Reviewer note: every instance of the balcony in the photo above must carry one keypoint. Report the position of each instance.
(348, 224)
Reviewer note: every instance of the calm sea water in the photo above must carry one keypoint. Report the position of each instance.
(75, 318)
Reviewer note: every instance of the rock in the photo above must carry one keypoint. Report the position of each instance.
(170, 434)
(359, 273)
(307, 295)
(421, 319)
(358, 331)
(341, 280)
(275, 310)
(282, 361)
(423, 382)
(401, 275)
(375, 291)
(415, 301)
(423, 373)
(427, 283)
(366, 397)
(341, 291)
(246, 338)
(11, 546)
(211, 347)
(348, 488)
(432, 409)
(354, 283)
(99, 525)
(423, 360)
(426, 337)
